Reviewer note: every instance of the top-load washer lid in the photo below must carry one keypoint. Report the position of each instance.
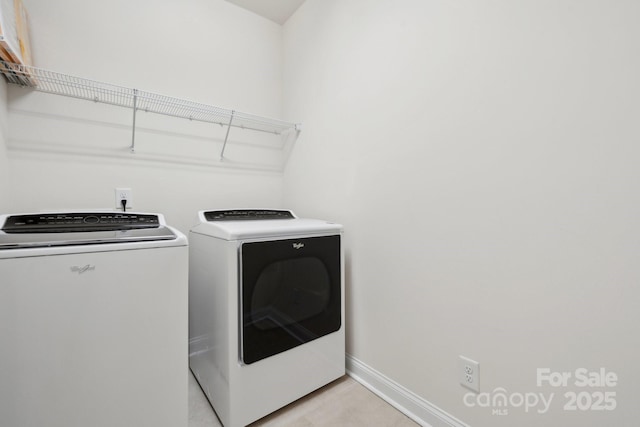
(81, 228)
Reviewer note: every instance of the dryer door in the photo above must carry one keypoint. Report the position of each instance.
(290, 294)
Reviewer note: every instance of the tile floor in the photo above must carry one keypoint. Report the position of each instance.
(343, 402)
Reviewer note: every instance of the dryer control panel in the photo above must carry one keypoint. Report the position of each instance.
(78, 222)
(247, 214)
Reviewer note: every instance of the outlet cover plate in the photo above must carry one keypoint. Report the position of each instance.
(124, 193)
(469, 372)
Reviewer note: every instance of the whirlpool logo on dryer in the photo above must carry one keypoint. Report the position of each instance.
(298, 245)
(80, 270)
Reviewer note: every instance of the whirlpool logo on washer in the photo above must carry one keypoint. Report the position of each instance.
(80, 270)
(298, 245)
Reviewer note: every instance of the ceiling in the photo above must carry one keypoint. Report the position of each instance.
(276, 10)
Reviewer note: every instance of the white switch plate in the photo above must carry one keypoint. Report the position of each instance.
(126, 194)
(469, 371)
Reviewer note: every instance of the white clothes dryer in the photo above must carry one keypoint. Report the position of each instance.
(93, 320)
(266, 309)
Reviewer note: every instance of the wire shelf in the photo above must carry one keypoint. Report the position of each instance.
(76, 87)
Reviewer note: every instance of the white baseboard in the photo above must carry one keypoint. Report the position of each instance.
(413, 406)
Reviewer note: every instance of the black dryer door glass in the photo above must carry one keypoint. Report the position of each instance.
(290, 294)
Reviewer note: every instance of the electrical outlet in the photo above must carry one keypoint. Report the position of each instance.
(124, 194)
(469, 373)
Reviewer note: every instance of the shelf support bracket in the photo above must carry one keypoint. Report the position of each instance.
(226, 137)
(135, 109)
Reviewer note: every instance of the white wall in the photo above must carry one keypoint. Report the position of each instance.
(67, 153)
(483, 157)
(4, 164)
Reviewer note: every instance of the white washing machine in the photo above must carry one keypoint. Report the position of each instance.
(266, 309)
(93, 320)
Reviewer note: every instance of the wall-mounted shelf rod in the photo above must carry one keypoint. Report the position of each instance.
(133, 131)
(226, 137)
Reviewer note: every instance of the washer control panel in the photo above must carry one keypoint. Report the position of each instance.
(78, 222)
(247, 214)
